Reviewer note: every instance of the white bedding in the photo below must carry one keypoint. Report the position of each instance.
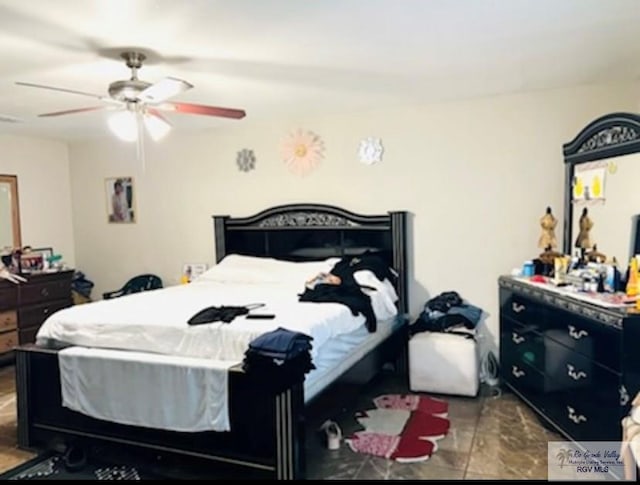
(156, 321)
(132, 388)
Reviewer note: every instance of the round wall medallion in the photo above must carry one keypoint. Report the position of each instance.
(370, 150)
(246, 160)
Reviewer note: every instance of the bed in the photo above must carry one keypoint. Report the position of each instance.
(267, 422)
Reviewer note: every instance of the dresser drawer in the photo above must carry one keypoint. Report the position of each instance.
(527, 380)
(521, 308)
(592, 339)
(8, 320)
(27, 335)
(50, 290)
(34, 315)
(8, 297)
(8, 341)
(565, 368)
(592, 412)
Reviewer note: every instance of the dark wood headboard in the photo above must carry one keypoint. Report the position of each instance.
(307, 232)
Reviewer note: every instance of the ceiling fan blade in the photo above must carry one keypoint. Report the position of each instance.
(52, 88)
(156, 113)
(157, 125)
(163, 90)
(71, 111)
(200, 109)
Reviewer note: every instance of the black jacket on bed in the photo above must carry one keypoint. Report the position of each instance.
(347, 266)
(350, 295)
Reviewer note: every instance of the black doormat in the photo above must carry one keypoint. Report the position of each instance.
(121, 462)
(50, 466)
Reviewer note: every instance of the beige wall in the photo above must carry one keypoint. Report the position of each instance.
(476, 175)
(42, 167)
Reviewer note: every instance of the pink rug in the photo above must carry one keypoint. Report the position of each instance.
(404, 428)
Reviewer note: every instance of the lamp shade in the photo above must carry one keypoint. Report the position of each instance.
(156, 127)
(123, 124)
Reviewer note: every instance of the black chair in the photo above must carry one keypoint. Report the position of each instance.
(143, 282)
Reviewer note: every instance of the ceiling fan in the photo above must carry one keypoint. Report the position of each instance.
(140, 103)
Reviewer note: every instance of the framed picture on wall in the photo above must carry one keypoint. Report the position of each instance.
(120, 195)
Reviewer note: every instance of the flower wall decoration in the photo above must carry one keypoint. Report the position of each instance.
(370, 150)
(246, 160)
(302, 151)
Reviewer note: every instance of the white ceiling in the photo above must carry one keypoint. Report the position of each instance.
(293, 57)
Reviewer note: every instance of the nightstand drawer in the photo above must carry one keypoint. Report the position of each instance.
(8, 320)
(40, 292)
(8, 341)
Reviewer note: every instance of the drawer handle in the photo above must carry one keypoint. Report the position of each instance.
(517, 339)
(577, 334)
(517, 308)
(516, 372)
(576, 418)
(576, 376)
(624, 395)
(44, 292)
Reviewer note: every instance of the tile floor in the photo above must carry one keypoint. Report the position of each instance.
(491, 437)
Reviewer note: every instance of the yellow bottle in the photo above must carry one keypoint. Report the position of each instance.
(632, 281)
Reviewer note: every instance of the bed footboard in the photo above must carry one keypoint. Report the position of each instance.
(267, 425)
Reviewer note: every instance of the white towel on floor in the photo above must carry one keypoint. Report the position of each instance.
(150, 390)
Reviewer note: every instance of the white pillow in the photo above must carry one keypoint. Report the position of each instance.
(237, 268)
(383, 298)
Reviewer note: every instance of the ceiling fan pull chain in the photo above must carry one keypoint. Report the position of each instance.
(140, 142)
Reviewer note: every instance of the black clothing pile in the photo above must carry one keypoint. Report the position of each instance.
(349, 292)
(447, 312)
(225, 314)
(346, 267)
(278, 358)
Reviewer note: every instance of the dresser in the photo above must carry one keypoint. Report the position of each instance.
(25, 306)
(575, 362)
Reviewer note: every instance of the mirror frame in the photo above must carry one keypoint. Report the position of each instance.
(609, 136)
(12, 180)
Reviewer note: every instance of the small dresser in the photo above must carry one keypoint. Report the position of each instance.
(575, 362)
(25, 306)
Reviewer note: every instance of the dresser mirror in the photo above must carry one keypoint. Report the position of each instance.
(9, 213)
(602, 175)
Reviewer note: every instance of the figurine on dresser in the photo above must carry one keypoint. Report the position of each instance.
(583, 241)
(548, 224)
(5, 274)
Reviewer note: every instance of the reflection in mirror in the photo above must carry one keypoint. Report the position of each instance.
(602, 170)
(613, 215)
(9, 212)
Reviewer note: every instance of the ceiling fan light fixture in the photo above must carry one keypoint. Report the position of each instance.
(157, 127)
(124, 125)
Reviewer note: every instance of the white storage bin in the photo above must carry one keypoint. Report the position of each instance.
(443, 363)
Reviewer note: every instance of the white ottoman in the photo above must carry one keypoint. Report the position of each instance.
(443, 363)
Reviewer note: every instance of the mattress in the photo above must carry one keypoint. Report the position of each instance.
(156, 321)
(337, 355)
